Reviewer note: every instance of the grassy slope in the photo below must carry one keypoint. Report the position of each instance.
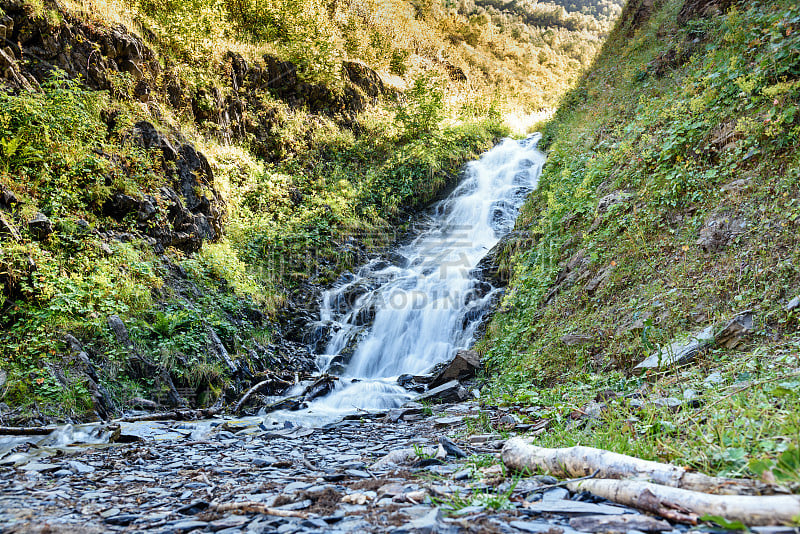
(707, 137)
(329, 179)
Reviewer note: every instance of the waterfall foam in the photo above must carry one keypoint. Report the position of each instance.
(410, 313)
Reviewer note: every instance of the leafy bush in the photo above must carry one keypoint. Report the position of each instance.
(423, 109)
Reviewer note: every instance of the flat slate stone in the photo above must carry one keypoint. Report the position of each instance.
(447, 421)
(358, 473)
(532, 526)
(621, 523)
(573, 507)
(188, 526)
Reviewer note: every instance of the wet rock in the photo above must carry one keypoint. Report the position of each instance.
(464, 365)
(288, 403)
(451, 448)
(451, 391)
(492, 266)
(680, 352)
(321, 387)
(40, 226)
(410, 383)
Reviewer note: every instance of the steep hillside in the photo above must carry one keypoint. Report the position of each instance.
(179, 179)
(668, 212)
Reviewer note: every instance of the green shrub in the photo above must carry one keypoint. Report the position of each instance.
(423, 109)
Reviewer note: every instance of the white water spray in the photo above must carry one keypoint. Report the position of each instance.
(407, 314)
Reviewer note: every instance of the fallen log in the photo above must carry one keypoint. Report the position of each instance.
(249, 507)
(582, 461)
(249, 393)
(26, 430)
(173, 415)
(687, 506)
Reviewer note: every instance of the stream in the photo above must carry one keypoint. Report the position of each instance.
(414, 308)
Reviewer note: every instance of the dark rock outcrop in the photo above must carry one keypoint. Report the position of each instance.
(94, 53)
(463, 366)
(82, 368)
(494, 267)
(718, 231)
(365, 79)
(40, 226)
(187, 212)
(693, 9)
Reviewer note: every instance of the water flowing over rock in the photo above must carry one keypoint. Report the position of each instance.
(405, 316)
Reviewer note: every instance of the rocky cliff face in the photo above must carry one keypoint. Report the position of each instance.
(187, 209)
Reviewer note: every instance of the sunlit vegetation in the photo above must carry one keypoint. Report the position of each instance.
(669, 203)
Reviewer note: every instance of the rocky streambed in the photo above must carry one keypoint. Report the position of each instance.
(411, 469)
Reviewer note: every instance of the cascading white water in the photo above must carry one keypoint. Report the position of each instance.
(413, 311)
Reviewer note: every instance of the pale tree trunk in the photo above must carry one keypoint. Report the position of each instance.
(583, 461)
(684, 505)
(671, 491)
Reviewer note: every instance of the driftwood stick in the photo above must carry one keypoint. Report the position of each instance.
(249, 393)
(256, 508)
(582, 461)
(26, 430)
(686, 506)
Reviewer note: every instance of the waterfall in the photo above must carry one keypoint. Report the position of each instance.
(417, 306)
